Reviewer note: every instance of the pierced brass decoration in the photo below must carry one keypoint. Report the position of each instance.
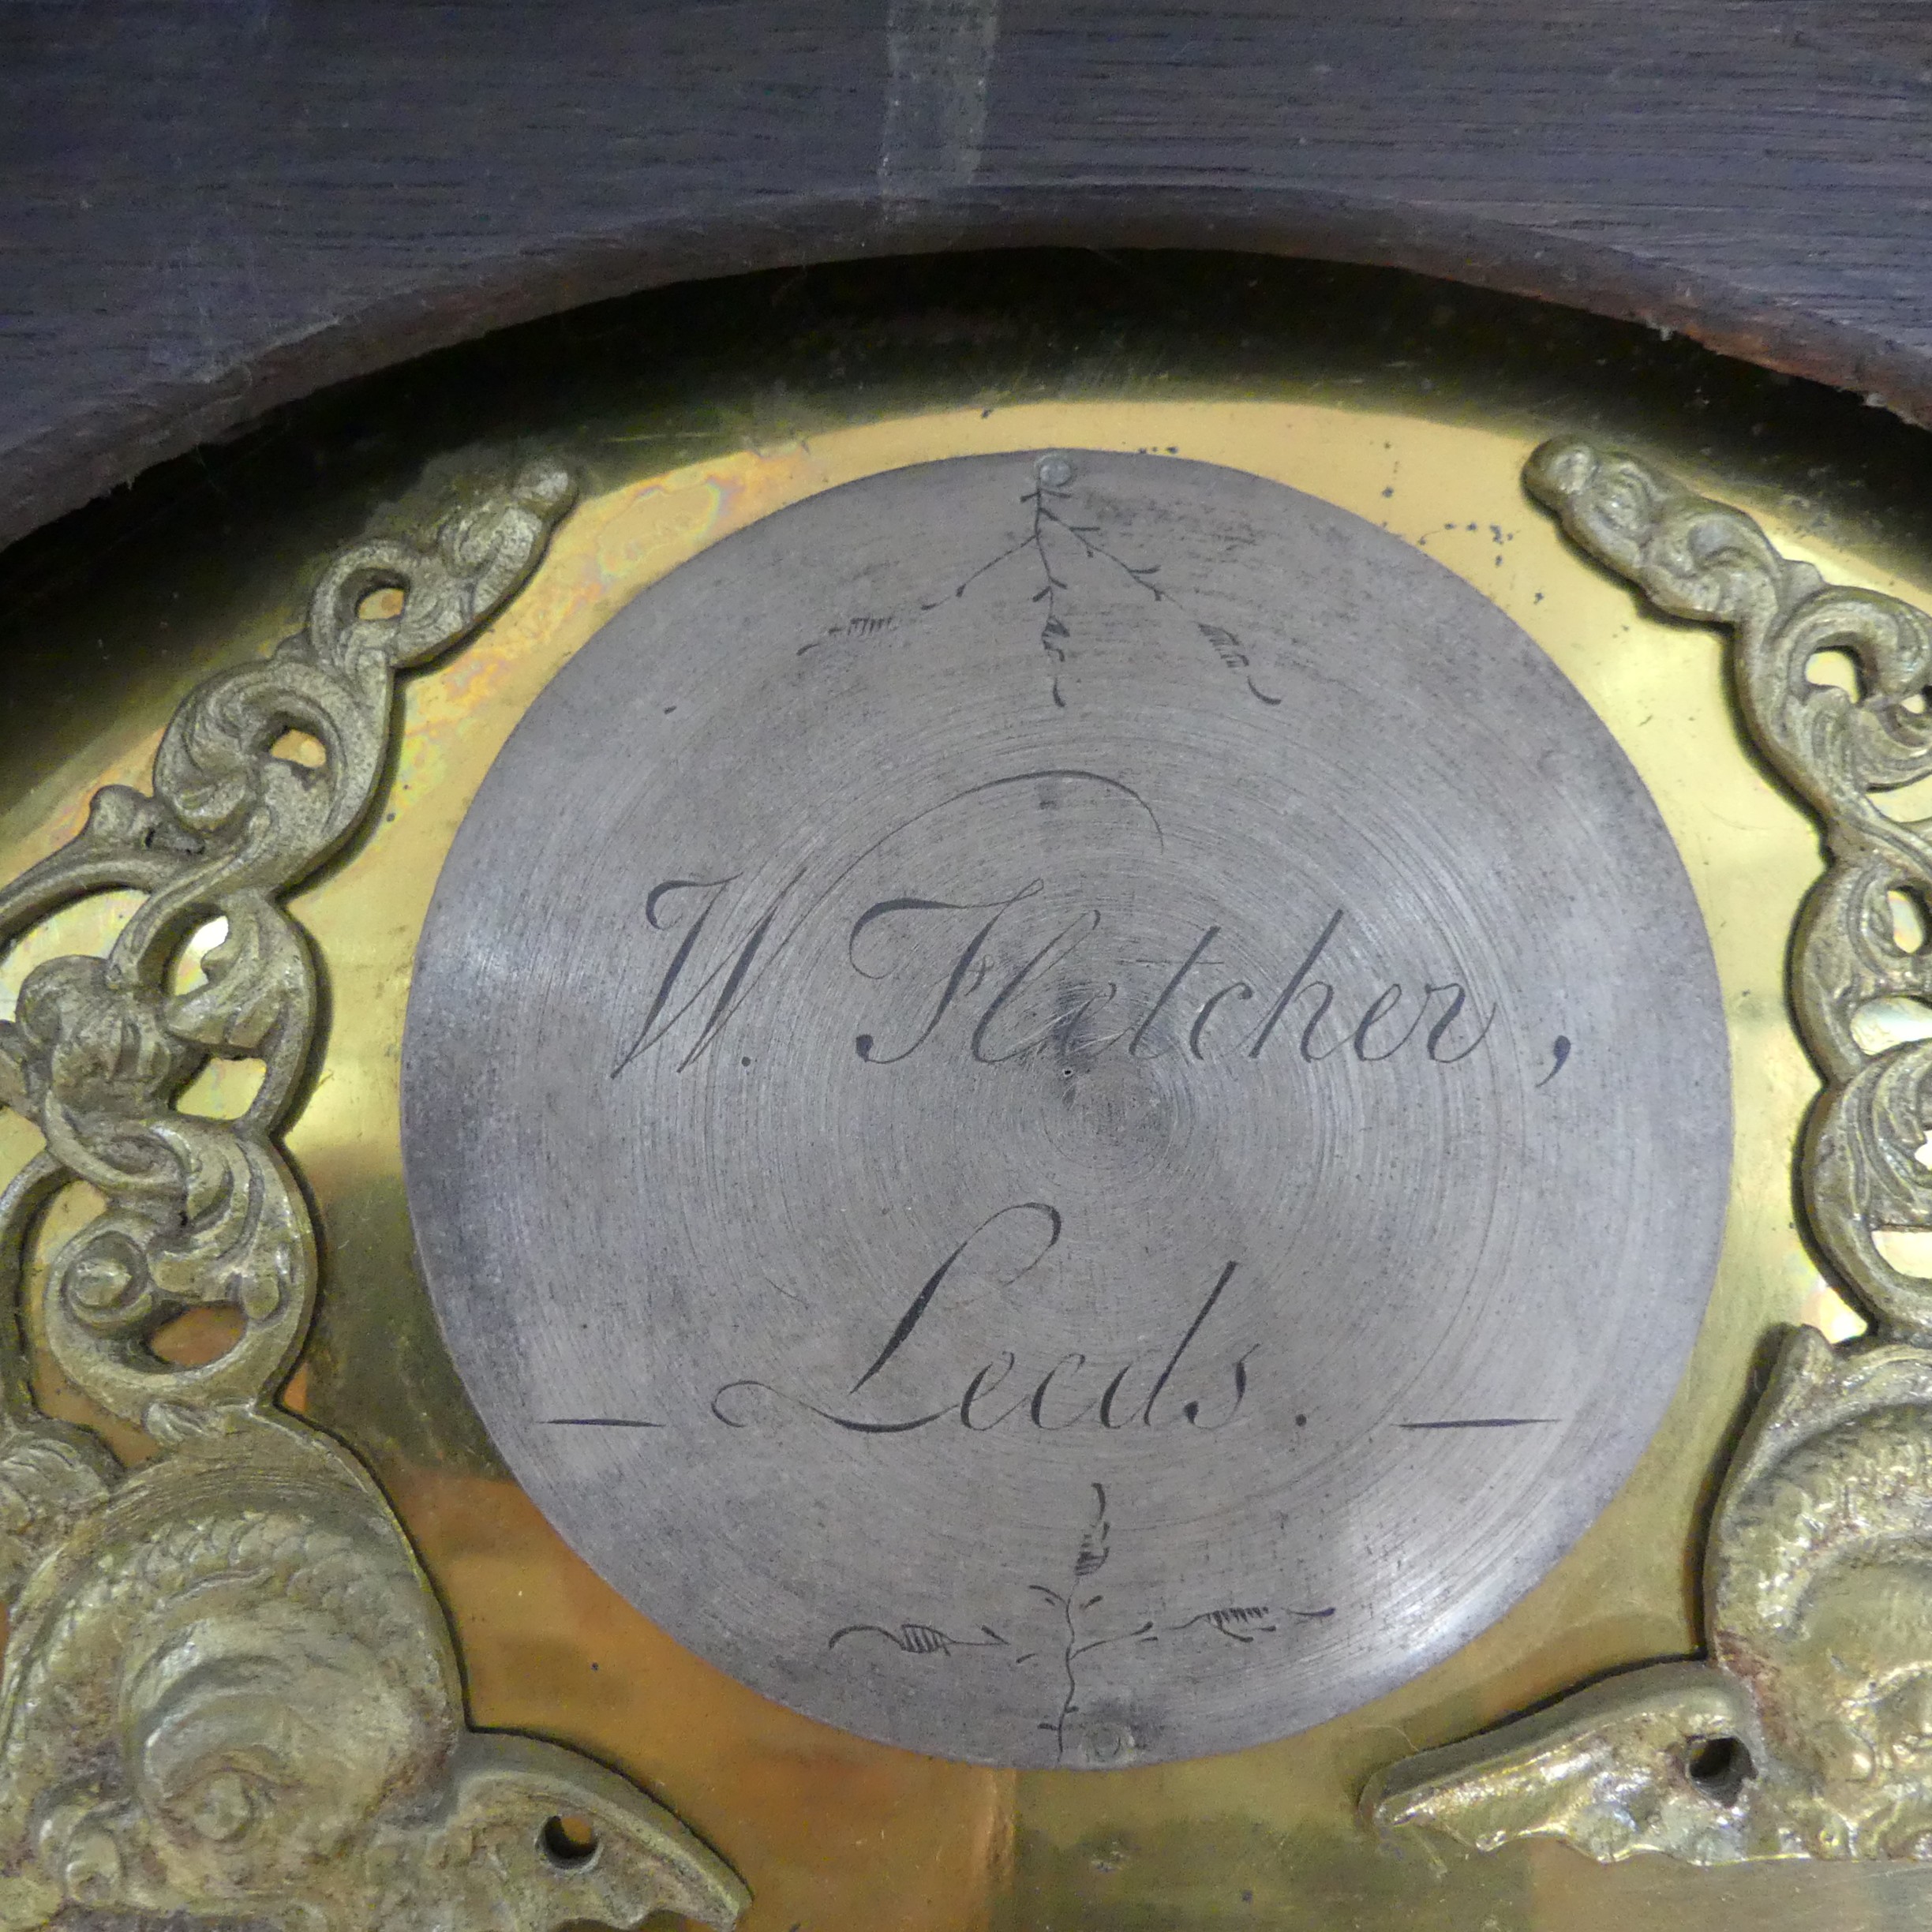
(1808, 1732)
(229, 1694)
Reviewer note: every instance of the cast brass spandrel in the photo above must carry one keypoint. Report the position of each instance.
(230, 1694)
(1808, 1732)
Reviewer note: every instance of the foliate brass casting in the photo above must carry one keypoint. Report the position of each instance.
(230, 1695)
(1808, 1732)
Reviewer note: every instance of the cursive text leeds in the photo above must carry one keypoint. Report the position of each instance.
(1193, 1380)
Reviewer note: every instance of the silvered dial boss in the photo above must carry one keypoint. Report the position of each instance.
(1066, 1109)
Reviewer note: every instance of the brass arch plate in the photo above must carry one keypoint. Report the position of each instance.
(1424, 431)
(1087, 1084)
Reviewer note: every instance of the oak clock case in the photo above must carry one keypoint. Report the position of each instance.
(1422, 433)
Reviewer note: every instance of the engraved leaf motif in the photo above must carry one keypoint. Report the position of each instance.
(923, 1639)
(1240, 1621)
(1093, 1548)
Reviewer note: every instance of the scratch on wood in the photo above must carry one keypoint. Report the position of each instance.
(940, 54)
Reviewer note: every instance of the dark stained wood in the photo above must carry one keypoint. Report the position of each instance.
(208, 206)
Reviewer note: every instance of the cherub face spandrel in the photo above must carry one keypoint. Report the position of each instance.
(244, 1711)
(1850, 1701)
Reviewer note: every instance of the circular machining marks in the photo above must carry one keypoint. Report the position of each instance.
(1067, 1109)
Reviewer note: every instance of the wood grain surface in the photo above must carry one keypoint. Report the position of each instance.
(208, 207)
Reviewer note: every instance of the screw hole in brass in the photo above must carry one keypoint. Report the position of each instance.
(569, 1841)
(1719, 1767)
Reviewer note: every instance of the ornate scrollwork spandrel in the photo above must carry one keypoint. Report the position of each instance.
(229, 1696)
(1807, 1730)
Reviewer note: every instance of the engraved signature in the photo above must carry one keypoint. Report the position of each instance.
(991, 978)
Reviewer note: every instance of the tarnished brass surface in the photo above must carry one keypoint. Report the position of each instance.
(1809, 1733)
(1441, 413)
(228, 1692)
